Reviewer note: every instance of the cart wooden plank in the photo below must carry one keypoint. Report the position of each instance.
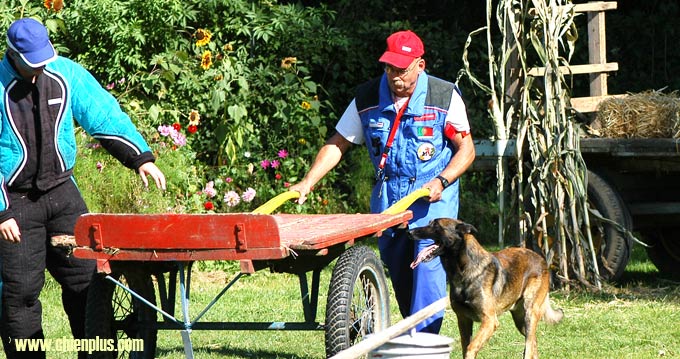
(170, 237)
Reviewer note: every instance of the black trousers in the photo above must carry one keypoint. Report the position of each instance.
(41, 216)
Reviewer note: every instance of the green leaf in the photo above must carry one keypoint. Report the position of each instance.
(230, 151)
(154, 112)
(221, 133)
(237, 112)
(311, 86)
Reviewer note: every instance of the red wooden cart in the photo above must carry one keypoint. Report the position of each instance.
(132, 250)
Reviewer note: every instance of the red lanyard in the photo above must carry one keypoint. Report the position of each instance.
(390, 139)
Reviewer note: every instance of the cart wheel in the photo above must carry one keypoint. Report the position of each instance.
(113, 313)
(612, 246)
(664, 250)
(358, 299)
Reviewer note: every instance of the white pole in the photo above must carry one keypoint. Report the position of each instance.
(381, 337)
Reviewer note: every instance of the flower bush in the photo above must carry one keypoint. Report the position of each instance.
(222, 92)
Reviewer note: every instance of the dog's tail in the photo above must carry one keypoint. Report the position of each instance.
(550, 315)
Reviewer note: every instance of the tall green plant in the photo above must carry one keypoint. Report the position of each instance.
(226, 81)
(549, 184)
(221, 89)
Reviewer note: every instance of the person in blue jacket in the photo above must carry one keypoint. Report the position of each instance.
(416, 129)
(42, 94)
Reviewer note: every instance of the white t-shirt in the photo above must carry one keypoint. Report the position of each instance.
(349, 125)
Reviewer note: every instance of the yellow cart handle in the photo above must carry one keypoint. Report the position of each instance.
(402, 205)
(276, 202)
(406, 202)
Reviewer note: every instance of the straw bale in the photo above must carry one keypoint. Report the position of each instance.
(650, 114)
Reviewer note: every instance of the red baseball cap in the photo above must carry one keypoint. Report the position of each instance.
(402, 48)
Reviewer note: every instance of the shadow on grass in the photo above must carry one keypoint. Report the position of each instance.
(230, 352)
(640, 281)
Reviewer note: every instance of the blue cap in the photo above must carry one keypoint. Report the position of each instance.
(29, 38)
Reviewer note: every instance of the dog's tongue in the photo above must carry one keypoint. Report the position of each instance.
(424, 256)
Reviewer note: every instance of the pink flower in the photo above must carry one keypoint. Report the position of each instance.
(286, 184)
(229, 180)
(209, 189)
(248, 195)
(179, 139)
(111, 86)
(232, 199)
(275, 163)
(265, 164)
(165, 130)
(283, 154)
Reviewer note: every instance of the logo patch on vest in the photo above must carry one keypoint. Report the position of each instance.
(425, 117)
(426, 151)
(376, 124)
(424, 132)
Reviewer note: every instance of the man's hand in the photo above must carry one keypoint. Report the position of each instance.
(435, 186)
(303, 189)
(150, 169)
(9, 230)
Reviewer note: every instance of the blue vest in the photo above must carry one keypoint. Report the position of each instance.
(419, 152)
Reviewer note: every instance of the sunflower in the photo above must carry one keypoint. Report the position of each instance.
(288, 62)
(202, 37)
(54, 5)
(194, 118)
(306, 105)
(206, 60)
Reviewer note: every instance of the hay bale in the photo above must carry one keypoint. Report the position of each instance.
(650, 114)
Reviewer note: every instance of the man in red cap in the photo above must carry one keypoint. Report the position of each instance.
(418, 136)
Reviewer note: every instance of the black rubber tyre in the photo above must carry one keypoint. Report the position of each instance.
(113, 313)
(664, 250)
(612, 245)
(358, 299)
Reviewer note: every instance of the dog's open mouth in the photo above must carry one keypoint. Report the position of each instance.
(425, 255)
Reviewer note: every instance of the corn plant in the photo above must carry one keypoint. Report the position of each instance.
(549, 207)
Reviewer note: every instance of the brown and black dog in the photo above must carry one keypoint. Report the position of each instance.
(483, 285)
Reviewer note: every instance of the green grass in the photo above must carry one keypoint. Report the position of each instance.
(637, 318)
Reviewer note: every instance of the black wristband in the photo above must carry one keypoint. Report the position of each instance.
(444, 181)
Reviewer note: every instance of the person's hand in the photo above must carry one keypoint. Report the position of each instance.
(303, 189)
(435, 186)
(9, 230)
(150, 169)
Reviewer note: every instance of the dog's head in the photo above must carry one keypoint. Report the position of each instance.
(446, 233)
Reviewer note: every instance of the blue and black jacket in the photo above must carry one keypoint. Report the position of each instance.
(37, 138)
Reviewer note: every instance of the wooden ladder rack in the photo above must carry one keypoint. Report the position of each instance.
(598, 67)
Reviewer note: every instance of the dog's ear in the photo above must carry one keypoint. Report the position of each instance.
(466, 228)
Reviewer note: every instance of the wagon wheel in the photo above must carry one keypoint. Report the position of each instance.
(358, 299)
(664, 250)
(113, 313)
(611, 244)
